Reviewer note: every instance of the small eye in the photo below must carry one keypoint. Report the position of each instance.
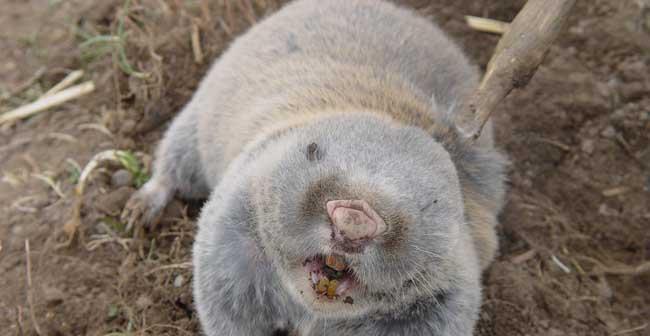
(313, 153)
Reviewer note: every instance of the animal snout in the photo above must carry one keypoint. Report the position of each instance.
(354, 222)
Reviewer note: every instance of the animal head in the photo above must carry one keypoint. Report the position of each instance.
(356, 209)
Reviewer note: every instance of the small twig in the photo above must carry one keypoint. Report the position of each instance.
(586, 298)
(522, 258)
(611, 192)
(30, 299)
(31, 162)
(629, 331)
(628, 150)
(487, 25)
(196, 44)
(559, 264)
(227, 11)
(96, 127)
(515, 60)
(72, 225)
(105, 156)
(15, 144)
(47, 102)
(62, 136)
(74, 164)
(64, 83)
(175, 234)
(618, 270)
(556, 144)
(172, 266)
(205, 11)
(18, 204)
(50, 182)
(99, 240)
(628, 270)
(19, 320)
(224, 27)
(168, 326)
(578, 267)
(12, 179)
(249, 11)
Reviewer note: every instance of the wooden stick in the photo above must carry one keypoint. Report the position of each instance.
(515, 60)
(487, 25)
(64, 83)
(47, 102)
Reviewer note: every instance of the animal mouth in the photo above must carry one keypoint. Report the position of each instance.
(331, 277)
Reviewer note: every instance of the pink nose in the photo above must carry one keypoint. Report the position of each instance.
(355, 220)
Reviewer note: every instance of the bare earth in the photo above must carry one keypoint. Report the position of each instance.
(575, 235)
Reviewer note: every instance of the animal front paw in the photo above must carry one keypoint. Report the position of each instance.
(145, 207)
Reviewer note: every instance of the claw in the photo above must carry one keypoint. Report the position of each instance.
(145, 207)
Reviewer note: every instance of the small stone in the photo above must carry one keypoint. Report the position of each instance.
(644, 156)
(121, 178)
(633, 71)
(605, 290)
(605, 210)
(125, 143)
(603, 89)
(113, 202)
(113, 311)
(644, 116)
(178, 281)
(143, 302)
(17, 230)
(609, 132)
(52, 295)
(9, 66)
(633, 91)
(128, 126)
(618, 114)
(587, 146)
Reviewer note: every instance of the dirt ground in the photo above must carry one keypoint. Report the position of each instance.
(575, 235)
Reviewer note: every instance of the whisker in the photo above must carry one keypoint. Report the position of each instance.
(419, 249)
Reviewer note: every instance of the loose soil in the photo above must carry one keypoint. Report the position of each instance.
(574, 231)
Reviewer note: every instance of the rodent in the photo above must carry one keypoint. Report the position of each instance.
(324, 135)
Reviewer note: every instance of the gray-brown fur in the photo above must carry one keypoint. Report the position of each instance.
(325, 100)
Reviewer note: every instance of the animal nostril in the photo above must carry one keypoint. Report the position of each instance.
(353, 224)
(354, 220)
(313, 153)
